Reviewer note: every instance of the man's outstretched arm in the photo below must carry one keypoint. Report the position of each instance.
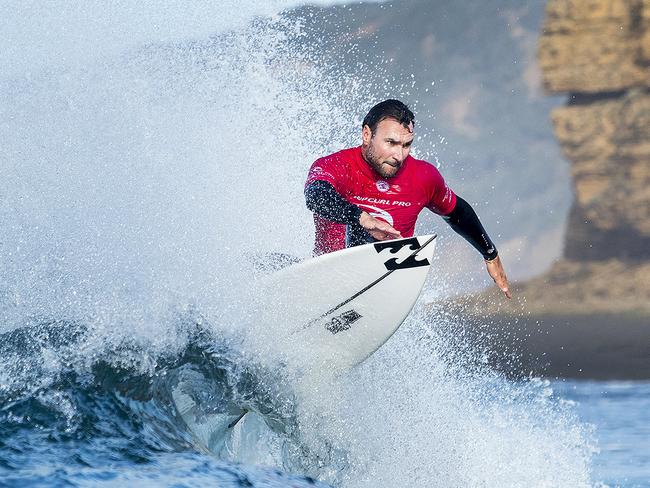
(323, 199)
(466, 223)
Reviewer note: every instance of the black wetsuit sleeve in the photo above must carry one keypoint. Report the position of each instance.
(325, 201)
(465, 222)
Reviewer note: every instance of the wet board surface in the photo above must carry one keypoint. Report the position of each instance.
(341, 307)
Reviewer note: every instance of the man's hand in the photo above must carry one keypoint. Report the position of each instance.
(495, 270)
(378, 229)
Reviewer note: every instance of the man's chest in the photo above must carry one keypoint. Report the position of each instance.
(399, 193)
(401, 199)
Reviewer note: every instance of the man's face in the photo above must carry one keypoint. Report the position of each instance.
(386, 149)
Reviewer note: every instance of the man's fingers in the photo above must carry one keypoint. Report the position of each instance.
(392, 232)
(377, 228)
(495, 270)
(381, 235)
(388, 229)
(502, 283)
(506, 291)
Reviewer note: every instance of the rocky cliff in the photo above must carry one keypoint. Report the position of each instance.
(595, 46)
(598, 53)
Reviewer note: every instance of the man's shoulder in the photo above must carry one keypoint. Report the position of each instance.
(342, 156)
(333, 168)
(419, 163)
(422, 167)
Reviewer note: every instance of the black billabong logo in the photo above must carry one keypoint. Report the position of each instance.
(342, 322)
(395, 246)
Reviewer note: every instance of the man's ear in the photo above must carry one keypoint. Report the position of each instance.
(366, 135)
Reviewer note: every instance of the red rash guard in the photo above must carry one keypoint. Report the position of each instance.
(397, 200)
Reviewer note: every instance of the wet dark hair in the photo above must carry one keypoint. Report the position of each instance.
(388, 109)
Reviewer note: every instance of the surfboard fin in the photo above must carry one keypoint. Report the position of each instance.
(236, 421)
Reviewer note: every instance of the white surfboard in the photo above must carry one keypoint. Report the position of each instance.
(331, 311)
(341, 307)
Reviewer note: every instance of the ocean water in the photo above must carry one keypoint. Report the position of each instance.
(416, 412)
(620, 414)
(146, 154)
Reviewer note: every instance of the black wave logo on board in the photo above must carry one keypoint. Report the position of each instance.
(394, 247)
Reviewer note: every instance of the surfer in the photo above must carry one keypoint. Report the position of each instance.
(375, 191)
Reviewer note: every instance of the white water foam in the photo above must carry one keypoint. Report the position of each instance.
(418, 414)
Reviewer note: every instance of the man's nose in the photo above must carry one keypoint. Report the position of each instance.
(400, 153)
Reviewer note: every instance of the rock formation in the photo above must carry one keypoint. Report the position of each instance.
(598, 52)
(608, 145)
(595, 46)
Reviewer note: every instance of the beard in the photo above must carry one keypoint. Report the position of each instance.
(385, 168)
